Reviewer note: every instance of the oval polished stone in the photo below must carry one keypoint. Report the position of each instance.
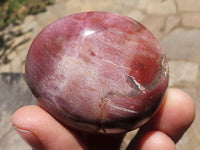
(97, 72)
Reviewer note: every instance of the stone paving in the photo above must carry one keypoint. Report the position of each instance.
(176, 23)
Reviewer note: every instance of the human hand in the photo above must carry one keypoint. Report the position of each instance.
(42, 132)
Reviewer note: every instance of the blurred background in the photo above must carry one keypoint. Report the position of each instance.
(176, 24)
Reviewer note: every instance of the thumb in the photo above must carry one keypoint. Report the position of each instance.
(42, 132)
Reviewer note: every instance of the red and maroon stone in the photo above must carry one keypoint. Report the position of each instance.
(97, 72)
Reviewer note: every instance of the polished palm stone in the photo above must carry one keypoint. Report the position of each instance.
(97, 72)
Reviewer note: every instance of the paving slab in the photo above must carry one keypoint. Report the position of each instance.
(155, 24)
(5, 68)
(171, 23)
(161, 7)
(182, 44)
(141, 4)
(190, 140)
(183, 72)
(137, 15)
(191, 20)
(188, 5)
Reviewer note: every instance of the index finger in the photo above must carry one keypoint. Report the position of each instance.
(169, 123)
(175, 116)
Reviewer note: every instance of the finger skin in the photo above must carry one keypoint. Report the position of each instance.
(153, 140)
(50, 134)
(175, 116)
(156, 140)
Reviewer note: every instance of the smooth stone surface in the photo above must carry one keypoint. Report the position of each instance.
(98, 72)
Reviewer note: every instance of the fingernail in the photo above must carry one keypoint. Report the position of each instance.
(30, 138)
